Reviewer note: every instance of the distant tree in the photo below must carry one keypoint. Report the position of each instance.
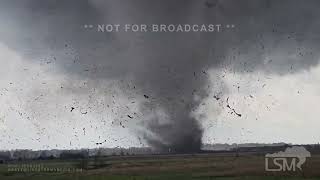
(121, 153)
(51, 157)
(72, 155)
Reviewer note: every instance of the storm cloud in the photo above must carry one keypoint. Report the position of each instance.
(168, 69)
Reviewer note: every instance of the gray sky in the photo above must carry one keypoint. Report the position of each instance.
(66, 86)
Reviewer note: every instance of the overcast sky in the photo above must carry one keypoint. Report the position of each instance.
(66, 86)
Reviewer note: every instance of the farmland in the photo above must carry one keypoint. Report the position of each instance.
(155, 167)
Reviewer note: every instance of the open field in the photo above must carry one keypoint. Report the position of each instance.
(156, 167)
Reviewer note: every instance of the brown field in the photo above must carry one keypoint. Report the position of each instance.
(188, 166)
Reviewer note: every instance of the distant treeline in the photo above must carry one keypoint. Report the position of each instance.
(69, 154)
(19, 155)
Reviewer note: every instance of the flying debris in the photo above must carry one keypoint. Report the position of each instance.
(122, 125)
(84, 112)
(100, 143)
(216, 97)
(232, 109)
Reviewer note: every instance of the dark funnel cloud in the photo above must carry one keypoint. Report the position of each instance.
(169, 69)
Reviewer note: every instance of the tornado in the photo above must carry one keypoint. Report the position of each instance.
(169, 70)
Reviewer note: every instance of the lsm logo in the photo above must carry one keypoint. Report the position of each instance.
(288, 160)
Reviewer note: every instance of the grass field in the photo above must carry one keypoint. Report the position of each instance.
(166, 167)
